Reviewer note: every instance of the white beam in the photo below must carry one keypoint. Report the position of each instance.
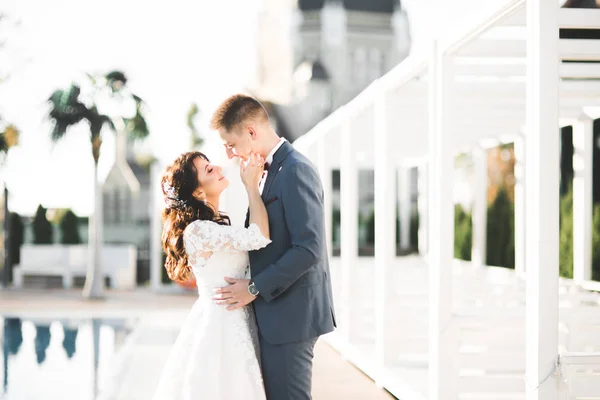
(442, 346)
(490, 48)
(518, 18)
(467, 68)
(567, 70)
(520, 224)
(480, 205)
(579, 49)
(583, 164)
(349, 222)
(579, 70)
(488, 113)
(502, 101)
(494, 17)
(416, 92)
(569, 49)
(542, 150)
(579, 18)
(385, 229)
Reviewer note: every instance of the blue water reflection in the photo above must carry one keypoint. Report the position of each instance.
(45, 358)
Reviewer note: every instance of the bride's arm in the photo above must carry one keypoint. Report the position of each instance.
(258, 212)
(251, 174)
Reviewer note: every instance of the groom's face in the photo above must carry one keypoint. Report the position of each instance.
(239, 142)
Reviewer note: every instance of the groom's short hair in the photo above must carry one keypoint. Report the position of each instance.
(235, 110)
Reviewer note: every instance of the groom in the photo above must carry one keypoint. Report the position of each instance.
(290, 286)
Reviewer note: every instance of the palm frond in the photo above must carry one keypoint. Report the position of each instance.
(97, 121)
(192, 114)
(137, 127)
(65, 110)
(3, 145)
(59, 130)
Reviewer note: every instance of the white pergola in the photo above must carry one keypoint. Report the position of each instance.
(502, 80)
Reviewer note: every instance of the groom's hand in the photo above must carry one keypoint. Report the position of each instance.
(235, 295)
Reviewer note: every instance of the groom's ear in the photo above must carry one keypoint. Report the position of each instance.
(252, 131)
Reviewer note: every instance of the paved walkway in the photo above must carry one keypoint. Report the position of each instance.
(159, 318)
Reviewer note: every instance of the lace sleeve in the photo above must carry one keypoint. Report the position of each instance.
(206, 237)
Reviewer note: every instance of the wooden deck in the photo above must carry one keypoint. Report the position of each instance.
(488, 325)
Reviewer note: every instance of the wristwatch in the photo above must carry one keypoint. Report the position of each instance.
(252, 289)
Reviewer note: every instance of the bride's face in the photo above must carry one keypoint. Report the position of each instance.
(211, 178)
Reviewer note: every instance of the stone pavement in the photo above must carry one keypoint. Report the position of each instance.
(159, 316)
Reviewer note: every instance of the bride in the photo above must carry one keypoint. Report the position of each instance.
(216, 353)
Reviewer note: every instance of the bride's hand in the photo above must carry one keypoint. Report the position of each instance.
(251, 171)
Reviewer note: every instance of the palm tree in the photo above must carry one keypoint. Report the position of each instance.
(196, 137)
(9, 138)
(67, 109)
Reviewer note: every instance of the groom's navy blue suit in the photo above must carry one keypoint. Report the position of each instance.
(295, 304)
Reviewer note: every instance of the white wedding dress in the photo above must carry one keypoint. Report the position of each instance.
(216, 353)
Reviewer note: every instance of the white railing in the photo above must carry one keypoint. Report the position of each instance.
(434, 328)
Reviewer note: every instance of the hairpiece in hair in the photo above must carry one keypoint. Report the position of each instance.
(172, 198)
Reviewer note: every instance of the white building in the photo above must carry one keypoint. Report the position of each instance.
(126, 204)
(326, 54)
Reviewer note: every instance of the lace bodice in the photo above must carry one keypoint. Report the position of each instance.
(215, 251)
(210, 334)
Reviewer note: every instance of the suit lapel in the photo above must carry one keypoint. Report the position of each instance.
(273, 170)
(275, 166)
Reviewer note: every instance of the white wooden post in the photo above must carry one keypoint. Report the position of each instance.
(520, 225)
(385, 227)
(423, 207)
(324, 166)
(156, 202)
(480, 205)
(583, 141)
(404, 205)
(542, 191)
(349, 222)
(442, 349)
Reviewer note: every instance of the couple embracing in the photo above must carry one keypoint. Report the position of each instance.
(264, 290)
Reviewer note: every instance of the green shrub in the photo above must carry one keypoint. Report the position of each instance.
(566, 235)
(596, 244)
(17, 232)
(463, 233)
(414, 230)
(501, 232)
(369, 223)
(69, 227)
(42, 229)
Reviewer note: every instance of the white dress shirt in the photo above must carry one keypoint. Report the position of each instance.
(269, 160)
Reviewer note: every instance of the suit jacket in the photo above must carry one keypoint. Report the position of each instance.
(292, 273)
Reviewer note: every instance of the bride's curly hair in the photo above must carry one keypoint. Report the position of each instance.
(178, 184)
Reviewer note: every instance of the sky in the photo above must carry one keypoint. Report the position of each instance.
(174, 53)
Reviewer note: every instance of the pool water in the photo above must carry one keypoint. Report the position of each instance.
(45, 358)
